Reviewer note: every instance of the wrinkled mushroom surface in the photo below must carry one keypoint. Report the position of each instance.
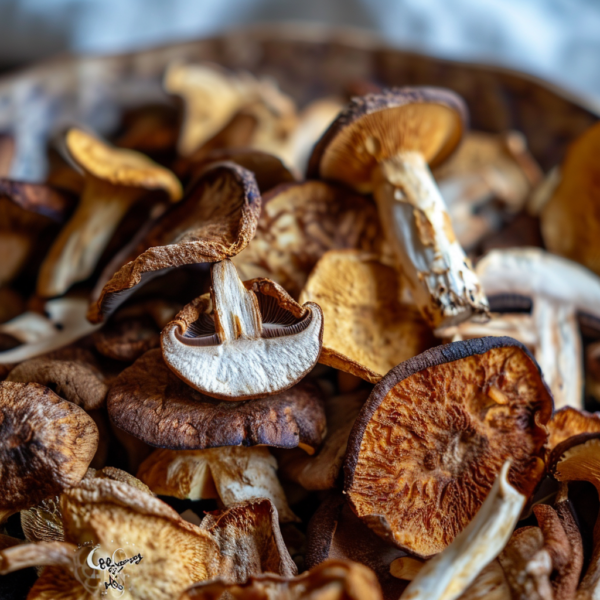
(569, 422)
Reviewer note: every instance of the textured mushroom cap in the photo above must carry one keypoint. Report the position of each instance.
(376, 127)
(569, 224)
(367, 329)
(46, 444)
(216, 220)
(569, 422)
(428, 444)
(151, 403)
(299, 223)
(119, 166)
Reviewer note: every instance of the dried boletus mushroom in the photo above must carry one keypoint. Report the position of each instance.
(148, 401)
(216, 220)
(46, 444)
(367, 330)
(230, 474)
(427, 446)
(245, 340)
(569, 224)
(569, 422)
(383, 144)
(115, 179)
(334, 580)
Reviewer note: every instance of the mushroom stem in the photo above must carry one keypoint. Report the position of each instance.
(40, 554)
(77, 249)
(416, 221)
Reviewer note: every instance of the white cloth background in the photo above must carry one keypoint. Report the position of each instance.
(555, 39)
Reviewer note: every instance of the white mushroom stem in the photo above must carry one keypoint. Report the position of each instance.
(416, 221)
(76, 251)
(449, 574)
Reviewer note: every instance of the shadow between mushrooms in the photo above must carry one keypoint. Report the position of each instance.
(152, 404)
(246, 340)
(429, 442)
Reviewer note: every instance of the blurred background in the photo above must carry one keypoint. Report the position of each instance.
(558, 40)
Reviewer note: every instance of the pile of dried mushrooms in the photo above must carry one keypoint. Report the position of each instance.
(253, 351)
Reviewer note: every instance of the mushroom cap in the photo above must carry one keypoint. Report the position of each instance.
(367, 329)
(149, 402)
(429, 442)
(216, 220)
(376, 127)
(576, 459)
(118, 166)
(46, 444)
(569, 422)
(568, 220)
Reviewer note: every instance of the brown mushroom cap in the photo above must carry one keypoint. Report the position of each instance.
(376, 127)
(569, 226)
(428, 444)
(569, 422)
(37, 198)
(216, 220)
(46, 444)
(151, 403)
(367, 329)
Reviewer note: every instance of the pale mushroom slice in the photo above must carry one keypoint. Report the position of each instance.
(569, 422)
(46, 444)
(245, 340)
(149, 402)
(368, 329)
(561, 292)
(449, 574)
(569, 224)
(383, 144)
(230, 474)
(334, 580)
(431, 439)
(66, 323)
(299, 223)
(115, 179)
(216, 220)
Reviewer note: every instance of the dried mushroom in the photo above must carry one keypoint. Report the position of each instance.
(569, 422)
(368, 329)
(149, 402)
(427, 446)
(568, 220)
(43, 522)
(299, 223)
(7, 153)
(245, 340)
(230, 473)
(334, 580)
(384, 143)
(115, 179)
(216, 220)
(46, 444)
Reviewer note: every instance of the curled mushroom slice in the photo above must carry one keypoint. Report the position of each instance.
(383, 143)
(149, 402)
(246, 341)
(368, 330)
(216, 220)
(569, 422)
(569, 225)
(334, 579)
(46, 444)
(299, 223)
(428, 444)
(231, 474)
(115, 179)
(449, 574)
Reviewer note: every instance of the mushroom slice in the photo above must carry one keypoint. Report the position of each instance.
(43, 522)
(383, 143)
(449, 574)
(247, 340)
(569, 226)
(299, 223)
(149, 402)
(115, 179)
(230, 473)
(569, 422)
(216, 220)
(65, 324)
(428, 444)
(46, 444)
(367, 330)
(334, 580)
